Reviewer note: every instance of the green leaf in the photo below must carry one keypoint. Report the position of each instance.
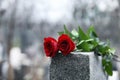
(95, 43)
(91, 32)
(103, 62)
(82, 35)
(60, 33)
(74, 33)
(103, 48)
(89, 40)
(112, 50)
(66, 31)
(85, 46)
(108, 68)
(80, 42)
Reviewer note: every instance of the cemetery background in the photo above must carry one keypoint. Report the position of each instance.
(24, 24)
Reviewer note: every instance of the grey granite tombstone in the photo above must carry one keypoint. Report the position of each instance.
(77, 66)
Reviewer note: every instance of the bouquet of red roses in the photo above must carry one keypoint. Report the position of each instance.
(64, 44)
(78, 40)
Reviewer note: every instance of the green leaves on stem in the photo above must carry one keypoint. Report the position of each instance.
(89, 41)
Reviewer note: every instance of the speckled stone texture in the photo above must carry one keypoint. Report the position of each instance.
(76, 66)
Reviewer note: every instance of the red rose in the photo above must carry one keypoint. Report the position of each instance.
(50, 47)
(65, 44)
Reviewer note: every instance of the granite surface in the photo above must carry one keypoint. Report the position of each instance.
(70, 67)
(76, 67)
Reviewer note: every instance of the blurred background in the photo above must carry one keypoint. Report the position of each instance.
(25, 23)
